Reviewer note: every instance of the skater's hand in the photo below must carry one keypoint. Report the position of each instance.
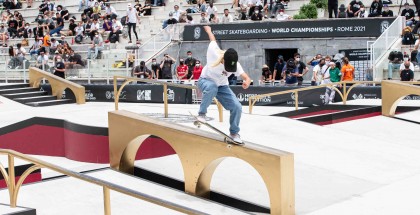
(207, 29)
(246, 84)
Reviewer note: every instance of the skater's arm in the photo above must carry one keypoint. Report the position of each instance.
(209, 33)
(246, 80)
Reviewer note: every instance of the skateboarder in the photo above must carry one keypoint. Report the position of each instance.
(213, 82)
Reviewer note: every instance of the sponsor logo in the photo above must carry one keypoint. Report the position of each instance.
(63, 95)
(110, 95)
(89, 96)
(412, 97)
(144, 95)
(360, 96)
(384, 26)
(197, 33)
(171, 95)
(245, 97)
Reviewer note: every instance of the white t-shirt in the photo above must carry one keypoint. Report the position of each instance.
(226, 19)
(117, 24)
(131, 15)
(21, 52)
(218, 73)
(282, 17)
(326, 75)
(54, 44)
(94, 26)
(317, 73)
(176, 14)
(41, 59)
(212, 10)
(402, 67)
(79, 30)
(110, 10)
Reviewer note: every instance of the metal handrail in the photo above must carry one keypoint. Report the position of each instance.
(344, 95)
(127, 80)
(13, 187)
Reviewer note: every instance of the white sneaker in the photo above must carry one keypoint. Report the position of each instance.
(202, 118)
(236, 138)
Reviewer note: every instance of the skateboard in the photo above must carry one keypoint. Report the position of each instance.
(227, 138)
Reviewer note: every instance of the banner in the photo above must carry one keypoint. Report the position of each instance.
(369, 27)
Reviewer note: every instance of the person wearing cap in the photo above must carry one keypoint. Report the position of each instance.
(278, 68)
(331, 75)
(214, 83)
(281, 16)
(266, 75)
(132, 19)
(387, 12)
(409, 14)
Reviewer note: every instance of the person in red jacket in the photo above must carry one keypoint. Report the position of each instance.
(181, 70)
(196, 71)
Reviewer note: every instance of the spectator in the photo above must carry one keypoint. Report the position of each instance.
(27, 32)
(155, 69)
(407, 74)
(226, 16)
(72, 29)
(106, 27)
(4, 35)
(110, 12)
(300, 68)
(42, 61)
(190, 62)
(202, 5)
(166, 66)
(282, 16)
(63, 13)
(94, 27)
(181, 70)
(12, 27)
(417, 48)
(278, 68)
(406, 61)
(96, 11)
(256, 16)
(50, 6)
(276, 6)
(29, 2)
(141, 71)
(240, 12)
(198, 68)
(347, 70)
(34, 50)
(20, 53)
(13, 62)
(54, 44)
(315, 60)
(211, 9)
(342, 11)
(266, 74)
(83, 4)
(97, 46)
(290, 72)
(190, 20)
(59, 26)
(213, 19)
(89, 8)
(253, 6)
(386, 12)
(409, 14)
(203, 19)
(146, 10)
(60, 68)
(353, 8)
(375, 8)
(75, 61)
(133, 18)
(317, 72)
(43, 7)
(332, 75)
(332, 7)
(116, 30)
(362, 13)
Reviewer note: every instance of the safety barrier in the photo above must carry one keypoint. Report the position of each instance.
(58, 85)
(393, 92)
(200, 153)
(13, 187)
(127, 80)
(344, 95)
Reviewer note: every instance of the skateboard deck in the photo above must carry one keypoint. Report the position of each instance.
(227, 138)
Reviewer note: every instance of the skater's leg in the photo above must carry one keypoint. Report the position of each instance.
(229, 101)
(327, 95)
(209, 91)
(332, 95)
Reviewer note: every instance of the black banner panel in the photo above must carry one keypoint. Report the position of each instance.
(369, 27)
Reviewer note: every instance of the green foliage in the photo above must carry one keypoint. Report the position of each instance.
(323, 4)
(309, 10)
(299, 16)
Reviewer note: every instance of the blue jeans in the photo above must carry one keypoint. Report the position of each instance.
(408, 23)
(56, 30)
(418, 58)
(97, 49)
(391, 67)
(225, 96)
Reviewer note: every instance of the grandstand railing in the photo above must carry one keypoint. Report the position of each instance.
(381, 47)
(127, 80)
(14, 187)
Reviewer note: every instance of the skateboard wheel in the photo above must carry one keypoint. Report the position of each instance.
(229, 146)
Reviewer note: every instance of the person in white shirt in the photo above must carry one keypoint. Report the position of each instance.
(254, 5)
(226, 16)
(317, 72)
(79, 29)
(243, 6)
(211, 9)
(213, 82)
(110, 12)
(282, 16)
(42, 61)
(133, 18)
(116, 28)
(177, 12)
(402, 67)
(94, 27)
